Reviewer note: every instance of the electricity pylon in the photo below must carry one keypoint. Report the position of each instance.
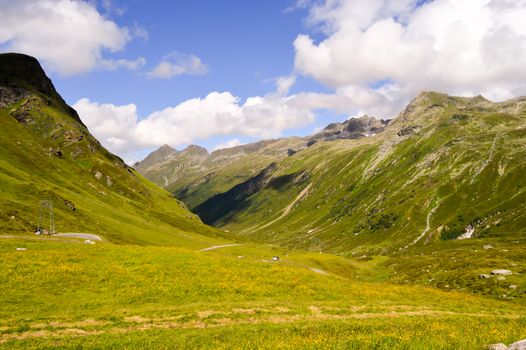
(46, 209)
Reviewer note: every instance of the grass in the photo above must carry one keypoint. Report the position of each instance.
(62, 293)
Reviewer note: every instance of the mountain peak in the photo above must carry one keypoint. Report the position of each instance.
(430, 99)
(352, 128)
(195, 151)
(166, 148)
(19, 72)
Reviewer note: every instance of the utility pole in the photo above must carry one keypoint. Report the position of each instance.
(46, 209)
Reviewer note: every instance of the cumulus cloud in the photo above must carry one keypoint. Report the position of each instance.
(380, 51)
(70, 37)
(218, 114)
(175, 64)
(228, 144)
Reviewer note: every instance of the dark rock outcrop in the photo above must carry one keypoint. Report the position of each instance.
(22, 74)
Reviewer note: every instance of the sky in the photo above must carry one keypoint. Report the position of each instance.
(143, 73)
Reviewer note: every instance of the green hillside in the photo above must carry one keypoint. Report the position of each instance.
(46, 153)
(398, 202)
(446, 167)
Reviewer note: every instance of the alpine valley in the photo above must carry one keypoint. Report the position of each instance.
(407, 233)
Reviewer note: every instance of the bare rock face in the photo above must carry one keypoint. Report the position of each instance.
(520, 345)
(353, 128)
(10, 95)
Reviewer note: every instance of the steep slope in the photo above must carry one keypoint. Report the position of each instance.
(446, 168)
(46, 153)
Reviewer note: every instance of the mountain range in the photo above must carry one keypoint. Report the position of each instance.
(445, 168)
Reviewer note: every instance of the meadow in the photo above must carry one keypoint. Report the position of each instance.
(62, 293)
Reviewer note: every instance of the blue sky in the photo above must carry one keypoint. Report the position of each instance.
(220, 73)
(245, 44)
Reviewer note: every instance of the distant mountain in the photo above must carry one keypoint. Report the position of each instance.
(46, 153)
(446, 168)
(193, 175)
(352, 128)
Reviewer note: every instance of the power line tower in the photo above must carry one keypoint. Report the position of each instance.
(46, 212)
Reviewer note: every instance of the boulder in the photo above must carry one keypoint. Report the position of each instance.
(501, 278)
(501, 272)
(21, 249)
(512, 286)
(487, 246)
(520, 345)
(484, 276)
(498, 346)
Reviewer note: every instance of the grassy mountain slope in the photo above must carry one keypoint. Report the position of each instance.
(46, 153)
(445, 167)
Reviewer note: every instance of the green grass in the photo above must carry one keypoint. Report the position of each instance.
(68, 294)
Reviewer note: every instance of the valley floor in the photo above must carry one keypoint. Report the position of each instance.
(62, 293)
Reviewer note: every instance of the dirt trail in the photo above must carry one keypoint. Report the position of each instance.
(235, 316)
(219, 247)
(79, 235)
(288, 208)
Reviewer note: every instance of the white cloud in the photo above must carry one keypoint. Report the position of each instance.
(129, 64)
(70, 37)
(284, 84)
(228, 144)
(110, 124)
(218, 114)
(175, 64)
(463, 47)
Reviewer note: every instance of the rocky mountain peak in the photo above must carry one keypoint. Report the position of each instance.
(156, 157)
(18, 70)
(352, 128)
(195, 151)
(165, 149)
(22, 75)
